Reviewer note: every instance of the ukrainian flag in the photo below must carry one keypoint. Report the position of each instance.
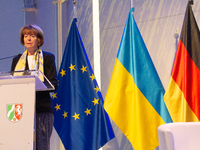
(134, 99)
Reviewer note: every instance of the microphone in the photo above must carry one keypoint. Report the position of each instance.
(10, 57)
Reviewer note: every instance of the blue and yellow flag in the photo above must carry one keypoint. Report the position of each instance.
(134, 99)
(80, 119)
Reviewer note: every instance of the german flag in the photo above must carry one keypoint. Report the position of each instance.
(182, 96)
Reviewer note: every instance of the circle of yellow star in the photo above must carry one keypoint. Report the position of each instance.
(92, 76)
(87, 111)
(76, 116)
(84, 69)
(63, 72)
(95, 101)
(54, 95)
(65, 114)
(57, 107)
(72, 67)
(97, 89)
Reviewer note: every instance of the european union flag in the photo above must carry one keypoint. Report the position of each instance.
(80, 119)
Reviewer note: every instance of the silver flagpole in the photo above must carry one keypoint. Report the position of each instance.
(75, 3)
(131, 3)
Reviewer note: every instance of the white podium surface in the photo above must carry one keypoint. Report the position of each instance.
(17, 101)
(179, 136)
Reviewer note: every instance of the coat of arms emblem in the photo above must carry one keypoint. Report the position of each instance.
(14, 112)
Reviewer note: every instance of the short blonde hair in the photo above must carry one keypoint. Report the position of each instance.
(32, 29)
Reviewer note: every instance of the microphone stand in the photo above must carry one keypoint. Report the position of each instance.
(9, 57)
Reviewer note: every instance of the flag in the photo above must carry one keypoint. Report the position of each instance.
(79, 119)
(182, 96)
(135, 96)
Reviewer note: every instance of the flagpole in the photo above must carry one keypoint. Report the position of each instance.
(131, 3)
(75, 3)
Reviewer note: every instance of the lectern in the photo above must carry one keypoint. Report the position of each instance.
(17, 108)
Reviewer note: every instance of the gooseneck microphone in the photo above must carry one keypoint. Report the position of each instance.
(10, 57)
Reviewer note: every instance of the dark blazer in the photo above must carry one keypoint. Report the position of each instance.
(43, 100)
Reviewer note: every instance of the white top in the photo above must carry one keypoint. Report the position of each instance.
(31, 63)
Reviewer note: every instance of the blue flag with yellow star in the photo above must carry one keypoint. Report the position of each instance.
(79, 117)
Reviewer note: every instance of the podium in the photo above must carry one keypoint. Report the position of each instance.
(17, 108)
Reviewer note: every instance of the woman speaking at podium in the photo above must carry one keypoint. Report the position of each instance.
(32, 37)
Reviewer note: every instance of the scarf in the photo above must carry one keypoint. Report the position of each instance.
(38, 57)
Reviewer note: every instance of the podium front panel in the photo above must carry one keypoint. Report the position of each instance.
(17, 109)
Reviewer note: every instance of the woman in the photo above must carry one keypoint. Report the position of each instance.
(31, 36)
